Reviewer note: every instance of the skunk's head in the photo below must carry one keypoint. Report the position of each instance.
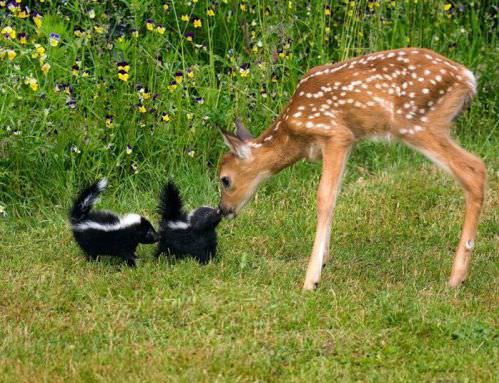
(146, 232)
(205, 217)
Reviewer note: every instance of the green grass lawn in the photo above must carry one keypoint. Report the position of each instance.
(382, 312)
(136, 91)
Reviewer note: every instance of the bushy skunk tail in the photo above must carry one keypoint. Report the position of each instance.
(170, 204)
(86, 200)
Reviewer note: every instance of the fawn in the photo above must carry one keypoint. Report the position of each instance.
(411, 95)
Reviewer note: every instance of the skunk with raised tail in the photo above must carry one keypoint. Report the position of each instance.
(105, 233)
(181, 234)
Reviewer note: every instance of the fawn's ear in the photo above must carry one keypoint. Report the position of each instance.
(236, 145)
(241, 131)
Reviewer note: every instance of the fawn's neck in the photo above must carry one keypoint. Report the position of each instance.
(276, 148)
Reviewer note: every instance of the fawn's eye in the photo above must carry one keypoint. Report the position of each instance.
(225, 182)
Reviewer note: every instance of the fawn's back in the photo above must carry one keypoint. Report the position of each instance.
(399, 92)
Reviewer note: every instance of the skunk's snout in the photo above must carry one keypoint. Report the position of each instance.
(226, 213)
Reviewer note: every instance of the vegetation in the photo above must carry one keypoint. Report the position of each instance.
(135, 91)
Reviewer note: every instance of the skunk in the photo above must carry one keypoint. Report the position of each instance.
(105, 233)
(181, 234)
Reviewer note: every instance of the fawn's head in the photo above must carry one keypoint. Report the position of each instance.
(240, 171)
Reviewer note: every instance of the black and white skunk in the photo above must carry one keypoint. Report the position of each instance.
(181, 234)
(105, 233)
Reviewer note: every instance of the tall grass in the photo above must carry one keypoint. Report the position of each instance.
(245, 58)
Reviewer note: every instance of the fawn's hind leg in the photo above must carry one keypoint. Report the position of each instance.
(471, 173)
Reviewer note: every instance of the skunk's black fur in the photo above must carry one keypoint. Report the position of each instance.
(105, 233)
(181, 234)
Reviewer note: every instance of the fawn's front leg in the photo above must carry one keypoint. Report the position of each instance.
(334, 156)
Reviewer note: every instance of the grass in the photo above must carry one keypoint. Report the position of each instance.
(382, 312)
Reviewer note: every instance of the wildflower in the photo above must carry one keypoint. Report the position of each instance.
(3, 213)
(74, 149)
(71, 103)
(45, 68)
(135, 33)
(129, 149)
(210, 12)
(172, 86)
(85, 73)
(78, 32)
(75, 69)
(244, 70)
(447, 6)
(150, 24)
(134, 168)
(23, 13)
(165, 117)
(9, 32)
(160, 29)
(39, 51)
(37, 19)
(200, 100)
(110, 146)
(243, 7)
(166, 7)
(141, 108)
(91, 14)
(190, 72)
(178, 77)
(327, 11)
(11, 54)
(123, 66)
(189, 36)
(99, 29)
(191, 153)
(109, 121)
(197, 23)
(184, 18)
(144, 94)
(22, 38)
(54, 39)
(123, 75)
(189, 116)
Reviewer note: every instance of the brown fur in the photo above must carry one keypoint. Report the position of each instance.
(412, 95)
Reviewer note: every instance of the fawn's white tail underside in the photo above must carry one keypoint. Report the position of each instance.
(412, 95)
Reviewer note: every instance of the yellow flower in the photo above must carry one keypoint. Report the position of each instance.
(197, 23)
(135, 34)
(38, 20)
(189, 116)
(160, 29)
(142, 109)
(172, 86)
(123, 76)
(190, 73)
(210, 12)
(243, 7)
(11, 54)
(185, 18)
(327, 11)
(165, 7)
(54, 39)
(45, 68)
(32, 82)
(149, 25)
(447, 6)
(165, 117)
(9, 32)
(99, 29)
